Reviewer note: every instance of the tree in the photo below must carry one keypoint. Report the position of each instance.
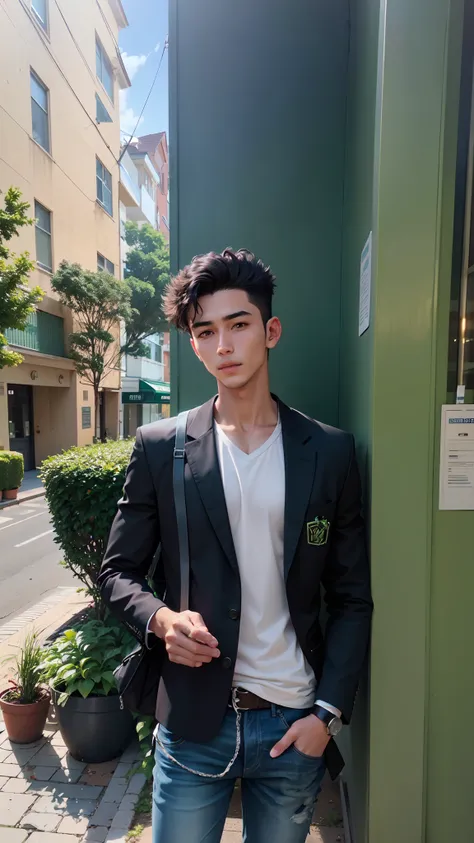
(17, 300)
(98, 302)
(147, 273)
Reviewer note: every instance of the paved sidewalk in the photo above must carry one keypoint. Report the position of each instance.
(48, 797)
(31, 488)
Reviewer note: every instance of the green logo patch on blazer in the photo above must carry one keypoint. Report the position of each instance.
(318, 531)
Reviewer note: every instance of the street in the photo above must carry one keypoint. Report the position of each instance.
(29, 558)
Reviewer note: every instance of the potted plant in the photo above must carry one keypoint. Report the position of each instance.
(79, 666)
(12, 470)
(25, 704)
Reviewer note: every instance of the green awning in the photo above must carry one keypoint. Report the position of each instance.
(149, 392)
(155, 386)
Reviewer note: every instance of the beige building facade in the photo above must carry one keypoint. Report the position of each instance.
(60, 77)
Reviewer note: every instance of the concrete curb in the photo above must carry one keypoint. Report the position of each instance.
(28, 496)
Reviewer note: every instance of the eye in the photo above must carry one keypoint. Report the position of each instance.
(204, 335)
(240, 325)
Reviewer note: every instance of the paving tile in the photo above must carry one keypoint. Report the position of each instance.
(123, 819)
(15, 786)
(51, 837)
(10, 770)
(13, 806)
(323, 834)
(95, 835)
(73, 825)
(129, 801)
(4, 753)
(14, 835)
(36, 774)
(104, 814)
(21, 755)
(115, 791)
(57, 739)
(3, 781)
(69, 791)
(65, 806)
(100, 774)
(50, 756)
(64, 776)
(116, 835)
(137, 783)
(41, 822)
(72, 763)
(122, 769)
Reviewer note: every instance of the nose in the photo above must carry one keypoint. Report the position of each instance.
(225, 345)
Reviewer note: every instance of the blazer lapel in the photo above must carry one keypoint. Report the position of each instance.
(202, 459)
(300, 467)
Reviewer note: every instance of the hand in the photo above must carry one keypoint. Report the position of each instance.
(309, 735)
(186, 636)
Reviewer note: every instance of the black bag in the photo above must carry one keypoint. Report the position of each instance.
(138, 675)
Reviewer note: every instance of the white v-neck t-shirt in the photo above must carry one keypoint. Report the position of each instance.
(270, 661)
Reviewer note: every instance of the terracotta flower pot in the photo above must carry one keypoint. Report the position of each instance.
(10, 494)
(25, 722)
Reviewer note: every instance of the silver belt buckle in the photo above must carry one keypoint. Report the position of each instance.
(236, 698)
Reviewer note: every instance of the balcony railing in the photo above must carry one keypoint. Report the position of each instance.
(129, 184)
(44, 333)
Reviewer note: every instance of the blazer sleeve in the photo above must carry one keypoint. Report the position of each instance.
(346, 580)
(133, 541)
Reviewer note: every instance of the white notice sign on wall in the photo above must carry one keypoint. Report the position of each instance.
(365, 282)
(456, 476)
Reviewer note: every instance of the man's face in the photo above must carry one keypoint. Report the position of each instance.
(229, 337)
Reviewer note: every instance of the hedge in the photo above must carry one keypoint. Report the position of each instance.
(12, 470)
(82, 487)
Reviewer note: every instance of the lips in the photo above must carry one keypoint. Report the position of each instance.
(227, 366)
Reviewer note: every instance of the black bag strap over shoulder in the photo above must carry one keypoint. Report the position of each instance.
(180, 507)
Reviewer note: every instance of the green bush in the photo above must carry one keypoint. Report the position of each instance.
(83, 486)
(82, 660)
(12, 470)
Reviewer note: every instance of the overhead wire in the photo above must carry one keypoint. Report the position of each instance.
(165, 46)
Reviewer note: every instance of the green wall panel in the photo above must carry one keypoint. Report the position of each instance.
(258, 102)
(356, 353)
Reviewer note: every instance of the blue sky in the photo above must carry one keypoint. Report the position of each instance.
(141, 44)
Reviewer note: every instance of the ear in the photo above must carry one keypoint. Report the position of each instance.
(273, 332)
(193, 346)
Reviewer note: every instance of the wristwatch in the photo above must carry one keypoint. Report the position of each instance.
(333, 724)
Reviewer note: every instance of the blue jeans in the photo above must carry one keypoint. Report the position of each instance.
(278, 794)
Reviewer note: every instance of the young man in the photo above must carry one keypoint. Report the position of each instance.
(250, 688)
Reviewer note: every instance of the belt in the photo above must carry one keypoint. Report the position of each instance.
(244, 700)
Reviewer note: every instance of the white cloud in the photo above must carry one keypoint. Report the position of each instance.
(133, 63)
(157, 47)
(128, 117)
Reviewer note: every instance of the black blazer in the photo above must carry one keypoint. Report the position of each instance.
(322, 482)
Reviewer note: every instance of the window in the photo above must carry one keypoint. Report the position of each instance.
(44, 252)
(40, 9)
(104, 265)
(103, 69)
(101, 113)
(148, 185)
(39, 111)
(104, 186)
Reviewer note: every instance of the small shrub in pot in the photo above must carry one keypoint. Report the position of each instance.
(12, 470)
(25, 704)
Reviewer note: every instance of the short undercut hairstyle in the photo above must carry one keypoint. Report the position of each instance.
(208, 274)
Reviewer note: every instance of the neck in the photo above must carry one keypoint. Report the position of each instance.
(250, 406)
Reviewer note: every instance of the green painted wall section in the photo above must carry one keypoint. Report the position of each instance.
(450, 740)
(411, 164)
(258, 96)
(356, 353)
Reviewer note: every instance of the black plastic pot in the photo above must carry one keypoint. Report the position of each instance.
(94, 729)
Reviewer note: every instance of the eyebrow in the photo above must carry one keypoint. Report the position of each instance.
(226, 319)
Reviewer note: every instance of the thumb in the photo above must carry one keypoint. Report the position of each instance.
(287, 740)
(199, 631)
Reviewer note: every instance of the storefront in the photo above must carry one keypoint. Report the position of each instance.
(150, 402)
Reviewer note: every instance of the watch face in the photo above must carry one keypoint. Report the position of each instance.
(335, 727)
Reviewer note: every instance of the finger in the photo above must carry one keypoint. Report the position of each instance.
(181, 640)
(287, 740)
(201, 632)
(183, 661)
(187, 654)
